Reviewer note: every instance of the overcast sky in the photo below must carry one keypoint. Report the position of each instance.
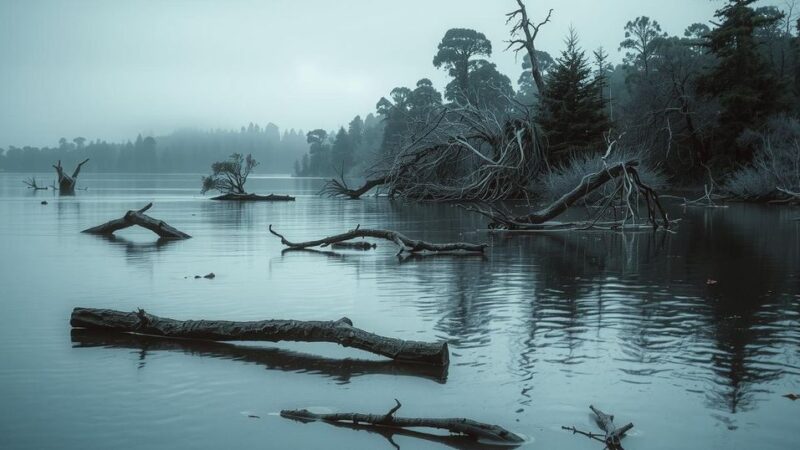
(112, 69)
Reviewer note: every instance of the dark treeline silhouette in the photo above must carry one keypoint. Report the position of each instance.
(181, 151)
(683, 104)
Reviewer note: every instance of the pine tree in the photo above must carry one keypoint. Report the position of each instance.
(746, 87)
(571, 113)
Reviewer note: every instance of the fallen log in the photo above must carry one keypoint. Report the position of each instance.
(612, 436)
(66, 183)
(475, 430)
(131, 218)
(342, 370)
(630, 185)
(406, 244)
(341, 332)
(254, 197)
(339, 188)
(31, 183)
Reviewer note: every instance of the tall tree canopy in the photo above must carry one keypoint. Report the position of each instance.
(457, 48)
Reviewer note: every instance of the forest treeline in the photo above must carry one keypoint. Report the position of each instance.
(710, 99)
(186, 150)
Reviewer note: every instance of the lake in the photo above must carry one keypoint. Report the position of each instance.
(693, 336)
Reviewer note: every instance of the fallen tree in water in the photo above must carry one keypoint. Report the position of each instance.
(467, 427)
(628, 191)
(406, 244)
(66, 183)
(340, 331)
(131, 218)
(31, 183)
(612, 436)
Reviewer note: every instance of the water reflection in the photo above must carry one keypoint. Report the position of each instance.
(342, 370)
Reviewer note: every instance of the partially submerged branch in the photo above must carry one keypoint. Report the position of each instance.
(406, 244)
(341, 332)
(31, 183)
(473, 429)
(66, 183)
(131, 218)
(611, 437)
(254, 197)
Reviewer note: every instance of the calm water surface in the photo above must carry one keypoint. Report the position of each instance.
(540, 328)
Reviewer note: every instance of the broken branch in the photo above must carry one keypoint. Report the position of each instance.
(131, 218)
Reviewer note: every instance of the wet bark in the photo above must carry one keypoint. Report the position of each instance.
(476, 430)
(341, 332)
(66, 183)
(254, 197)
(131, 218)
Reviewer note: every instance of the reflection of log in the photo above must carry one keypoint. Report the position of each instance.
(341, 332)
(271, 358)
(131, 218)
(405, 244)
(612, 435)
(254, 198)
(66, 183)
(476, 430)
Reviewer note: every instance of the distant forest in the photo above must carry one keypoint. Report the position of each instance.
(181, 151)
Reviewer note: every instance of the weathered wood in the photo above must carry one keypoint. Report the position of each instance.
(406, 244)
(612, 436)
(341, 332)
(254, 197)
(468, 427)
(362, 245)
(66, 183)
(342, 369)
(131, 218)
(339, 188)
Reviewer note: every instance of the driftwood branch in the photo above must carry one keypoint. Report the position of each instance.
(341, 332)
(131, 218)
(406, 244)
(31, 183)
(611, 437)
(339, 188)
(254, 197)
(467, 427)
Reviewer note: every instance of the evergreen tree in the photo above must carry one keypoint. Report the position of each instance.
(571, 110)
(747, 90)
(342, 152)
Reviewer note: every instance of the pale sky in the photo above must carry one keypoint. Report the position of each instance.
(112, 69)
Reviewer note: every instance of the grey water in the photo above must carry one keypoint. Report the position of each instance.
(693, 336)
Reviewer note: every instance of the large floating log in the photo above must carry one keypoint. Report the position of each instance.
(254, 198)
(131, 218)
(467, 427)
(341, 369)
(341, 332)
(406, 244)
(66, 183)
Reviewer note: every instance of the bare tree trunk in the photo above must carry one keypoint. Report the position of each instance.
(341, 332)
(131, 218)
(66, 183)
(476, 430)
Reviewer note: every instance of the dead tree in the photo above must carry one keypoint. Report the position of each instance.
(611, 437)
(467, 427)
(341, 332)
(131, 218)
(31, 183)
(527, 40)
(459, 153)
(406, 244)
(66, 183)
(629, 190)
(254, 197)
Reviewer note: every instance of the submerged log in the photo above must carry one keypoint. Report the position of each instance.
(131, 218)
(254, 197)
(612, 436)
(341, 332)
(66, 183)
(467, 427)
(406, 244)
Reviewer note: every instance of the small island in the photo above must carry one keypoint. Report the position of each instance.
(228, 178)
